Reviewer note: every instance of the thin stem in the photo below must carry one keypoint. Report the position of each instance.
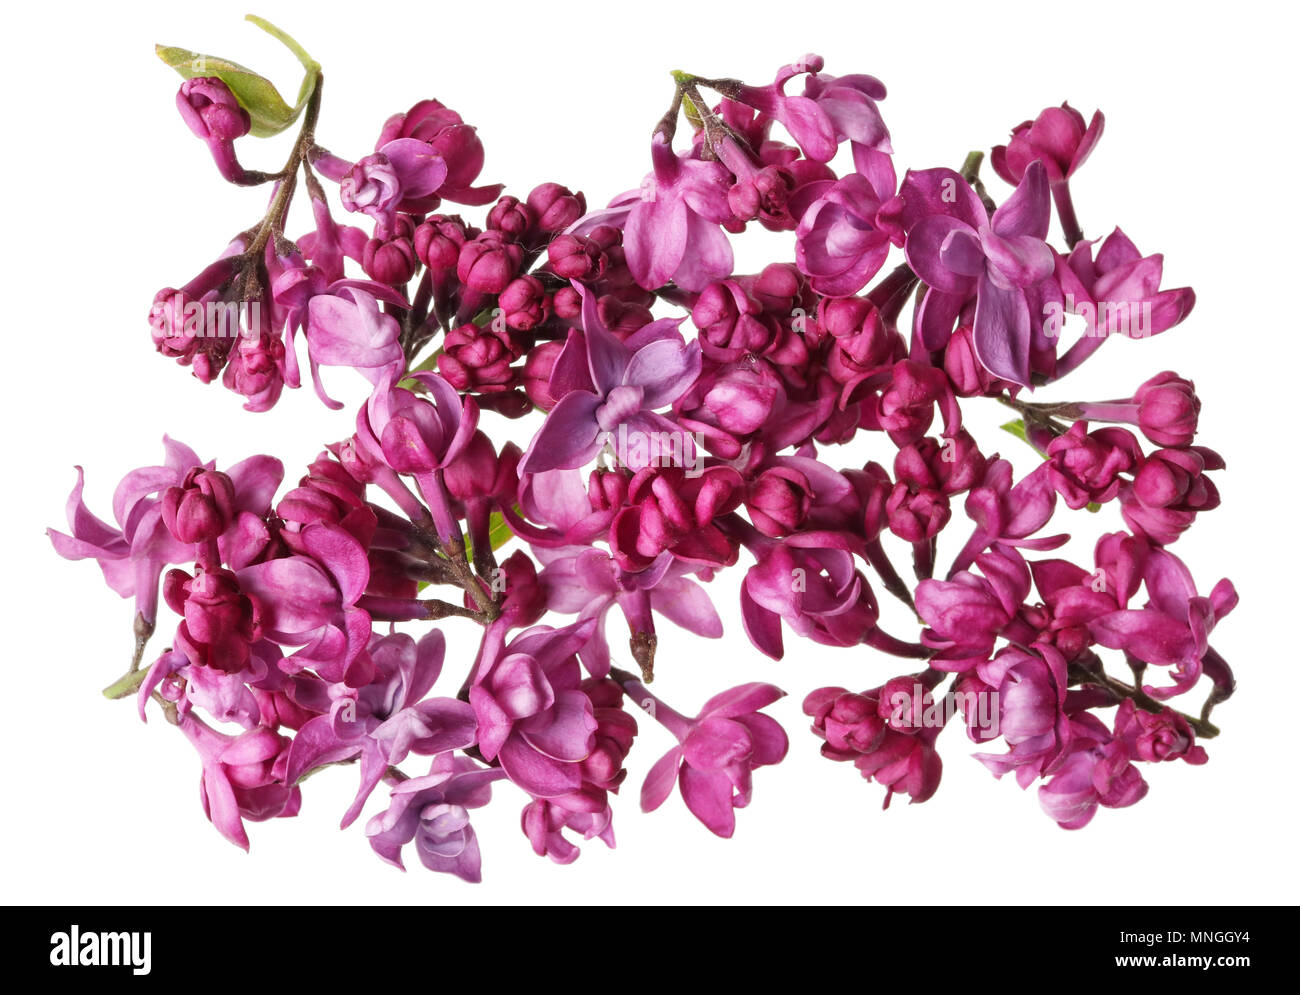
(1097, 675)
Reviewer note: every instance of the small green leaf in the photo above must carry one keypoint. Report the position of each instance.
(1016, 428)
(1094, 507)
(499, 531)
(269, 112)
(692, 113)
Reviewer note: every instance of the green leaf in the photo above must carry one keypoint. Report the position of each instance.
(692, 113)
(499, 531)
(269, 112)
(1016, 428)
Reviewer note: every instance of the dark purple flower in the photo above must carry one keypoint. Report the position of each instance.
(960, 253)
(389, 717)
(433, 812)
(614, 389)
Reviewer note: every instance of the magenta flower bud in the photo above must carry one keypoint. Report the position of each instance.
(510, 403)
(778, 501)
(607, 489)
(622, 317)
(1169, 491)
(778, 287)
(845, 317)
(512, 217)
(207, 365)
(951, 465)
(1175, 478)
(461, 149)
(716, 493)
(473, 473)
(390, 261)
(849, 723)
(438, 241)
(862, 342)
(721, 303)
(1168, 410)
(556, 207)
(960, 464)
(731, 323)
(211, 110)
(372, 188)
(615, 730)
(903, 702)
(1085, 467)
(741, 399)
(906, 407)
(916, 515)
(328, 494)
(567, 303)
(536, 376)
(214, 115)
(574, 257)
(656, 519)
(1156, 737)
(873, 488)
(488, 262)
(523, 303)
(665, 510)
(763, 195)
(969, 377)
(221, 621)
(167, 324)
(523, 596)
(478, 359)
(201, 508)
(256, 371)
(1058, 137)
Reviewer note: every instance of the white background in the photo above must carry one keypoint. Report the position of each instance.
(107, 198)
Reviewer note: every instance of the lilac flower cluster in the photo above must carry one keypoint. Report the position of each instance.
(690, 416)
